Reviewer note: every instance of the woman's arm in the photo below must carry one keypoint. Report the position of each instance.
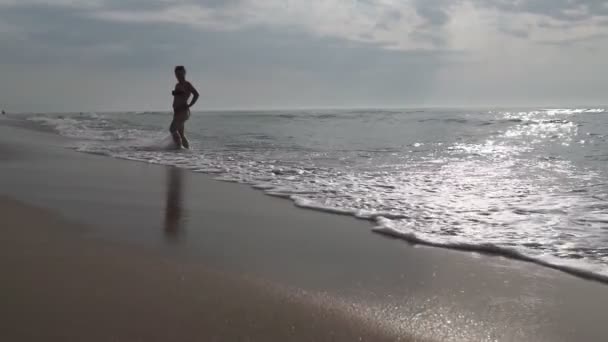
(194, 95)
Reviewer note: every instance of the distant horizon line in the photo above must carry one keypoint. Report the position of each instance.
(257, 109)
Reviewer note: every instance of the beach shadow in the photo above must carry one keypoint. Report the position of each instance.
(174, 220)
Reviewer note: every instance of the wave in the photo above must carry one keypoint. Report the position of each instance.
(339, 114)
(570, 111)
(151, 113)
(96, 133)
(71, 127)
(386, 227)
(577, 269)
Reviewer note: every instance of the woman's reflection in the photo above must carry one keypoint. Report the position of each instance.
(173, 209)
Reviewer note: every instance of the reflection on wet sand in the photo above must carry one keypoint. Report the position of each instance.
(174, 206)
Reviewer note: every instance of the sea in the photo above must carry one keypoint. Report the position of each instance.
(528, 183)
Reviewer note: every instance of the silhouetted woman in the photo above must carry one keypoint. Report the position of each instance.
(181, 107)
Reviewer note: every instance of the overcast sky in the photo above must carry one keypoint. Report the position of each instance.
(78, 55)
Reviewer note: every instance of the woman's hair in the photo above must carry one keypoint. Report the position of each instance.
(180, 68)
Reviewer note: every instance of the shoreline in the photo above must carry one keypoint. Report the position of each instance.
(430, 293)
(375, 226)
(491, 250)
(386, 232)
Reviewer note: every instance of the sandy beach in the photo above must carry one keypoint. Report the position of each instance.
(63, 287)
(99, 249)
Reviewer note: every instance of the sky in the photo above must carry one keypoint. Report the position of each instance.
(113, 55)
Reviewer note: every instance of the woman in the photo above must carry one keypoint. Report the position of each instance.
(181, 107)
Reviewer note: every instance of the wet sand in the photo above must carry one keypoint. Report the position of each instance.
(249, 258)
(64, 287)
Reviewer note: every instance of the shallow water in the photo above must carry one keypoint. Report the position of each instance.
(526, 183)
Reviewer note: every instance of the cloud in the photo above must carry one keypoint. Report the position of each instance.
(434, 12)
(542, 21)
(99, 34)
(562, 10)
(576, 41)
(248, 63)
(67, 35)
(379, 21)
(435, 15)
(516, 32)
(316, 51)
(391, 24)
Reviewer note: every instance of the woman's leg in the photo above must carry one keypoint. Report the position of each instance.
(180, 130)
(174, 129)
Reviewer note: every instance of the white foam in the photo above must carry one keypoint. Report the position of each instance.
(582, 269)
(570, 111)
(305, 203)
